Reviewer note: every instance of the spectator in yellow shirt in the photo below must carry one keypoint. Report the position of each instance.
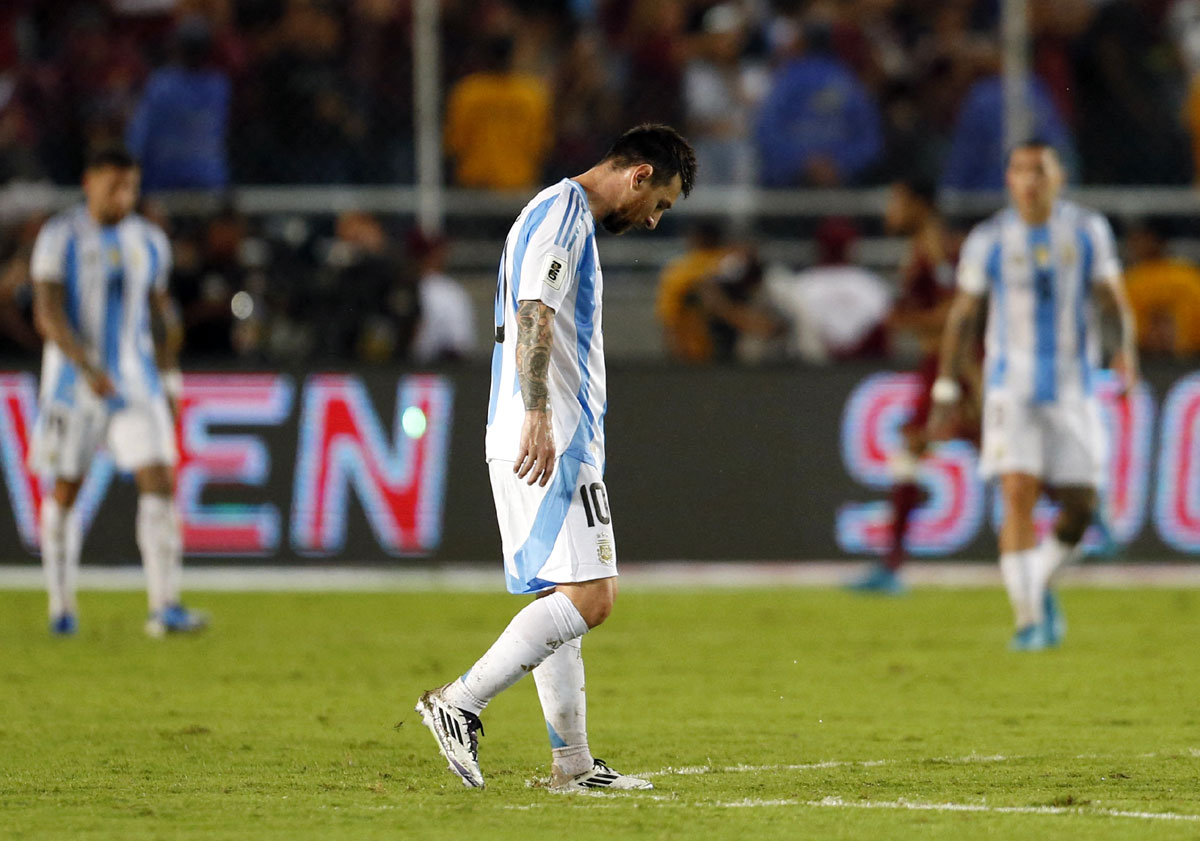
(1164, 293)
(498, 124)
(680, 310)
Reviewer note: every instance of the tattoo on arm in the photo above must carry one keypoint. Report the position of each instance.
(534, 339)
(165, 330)
(50, 318)
(961, 320)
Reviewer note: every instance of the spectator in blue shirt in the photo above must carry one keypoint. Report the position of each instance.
(976, 158)
(179, 129)
(818, 125)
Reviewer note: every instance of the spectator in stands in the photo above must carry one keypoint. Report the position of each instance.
(306, 123)
(720, 89)
(17, 333)
(1164, 292)
(835, 310)
(680, 312)
(977, 154)
(208, 273)
(498, 128)
(446, 331)
(818, 125)
(743, 323)
(372, 304)
(1128, 89)
(178, 132)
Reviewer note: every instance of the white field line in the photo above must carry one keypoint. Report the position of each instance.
(643, 576)
(692, 770)
(919, 806)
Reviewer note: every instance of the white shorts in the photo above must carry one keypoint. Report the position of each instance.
(559, 534)
(66, 438)
(1063, 443)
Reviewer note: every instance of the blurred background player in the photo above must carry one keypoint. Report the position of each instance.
(545, 451)
(108, 366)
(1043, 265)
(926, 290)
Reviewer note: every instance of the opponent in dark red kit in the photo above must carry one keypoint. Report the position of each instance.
(926, 288)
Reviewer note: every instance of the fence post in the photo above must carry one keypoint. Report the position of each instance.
(427, 104)
(1018, 120)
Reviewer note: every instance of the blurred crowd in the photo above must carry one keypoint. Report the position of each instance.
(782, 92)
(285, 290)
(721, 302)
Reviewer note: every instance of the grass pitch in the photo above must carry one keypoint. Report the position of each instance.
(763, 715)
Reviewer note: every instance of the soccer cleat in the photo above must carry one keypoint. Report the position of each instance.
(1054, 626)
(1029, 638)
(175, 619)
(878, 579)
(600, 777)
(64, 625)
(457, 734)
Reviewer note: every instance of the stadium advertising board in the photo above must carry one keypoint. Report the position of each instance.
(382, 466)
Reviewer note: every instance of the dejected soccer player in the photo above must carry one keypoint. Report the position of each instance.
(545, 451)
(101, 304)
(1049, 271)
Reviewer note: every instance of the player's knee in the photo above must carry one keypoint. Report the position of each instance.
(157, 479)
(65, 494)
(1074, 516)
(595, 602)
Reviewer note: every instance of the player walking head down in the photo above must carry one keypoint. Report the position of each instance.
(545, 451)
(653, 165)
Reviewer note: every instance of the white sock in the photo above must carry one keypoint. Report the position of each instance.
(532, 636)
(560, 687)
(1024, 590)
(1052, 556)
(54, 558)
(158, 542)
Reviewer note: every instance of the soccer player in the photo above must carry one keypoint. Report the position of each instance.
(545, 451)
(101, 304)
(1049, 271)
(926, 290)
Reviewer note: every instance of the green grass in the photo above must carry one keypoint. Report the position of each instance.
(280, 722)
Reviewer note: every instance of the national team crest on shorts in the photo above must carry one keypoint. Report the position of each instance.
(604, 550)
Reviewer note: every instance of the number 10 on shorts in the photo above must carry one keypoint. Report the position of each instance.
(595, 504)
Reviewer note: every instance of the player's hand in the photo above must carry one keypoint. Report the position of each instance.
(1125, 366)
(98, 381)
(535, 459)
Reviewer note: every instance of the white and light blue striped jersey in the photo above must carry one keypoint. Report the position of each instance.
(550, 256)
(1042, 339)
(109, 272)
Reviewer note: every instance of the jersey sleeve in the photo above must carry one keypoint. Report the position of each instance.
(1106, 265)
(972, 262)
(49, 261)
(551, 258)
(162, 258)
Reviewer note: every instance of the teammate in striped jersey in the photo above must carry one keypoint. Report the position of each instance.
(101, 304)
(545, 451)
(1048, 270)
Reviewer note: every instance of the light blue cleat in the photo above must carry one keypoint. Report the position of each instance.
(878, 579)
(64, 625)
(1054, 626)
(176, 619)
(1107, 548)
(1029, 638)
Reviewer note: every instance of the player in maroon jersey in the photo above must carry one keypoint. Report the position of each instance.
(926, 287)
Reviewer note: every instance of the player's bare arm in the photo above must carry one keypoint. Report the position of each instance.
(956, 344)
(50, 318)
(535, 336)
(1114, 308)
(167, 332)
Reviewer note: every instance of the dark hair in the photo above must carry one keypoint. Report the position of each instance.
(109, 155)
(1039, 143)
(662, 147)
